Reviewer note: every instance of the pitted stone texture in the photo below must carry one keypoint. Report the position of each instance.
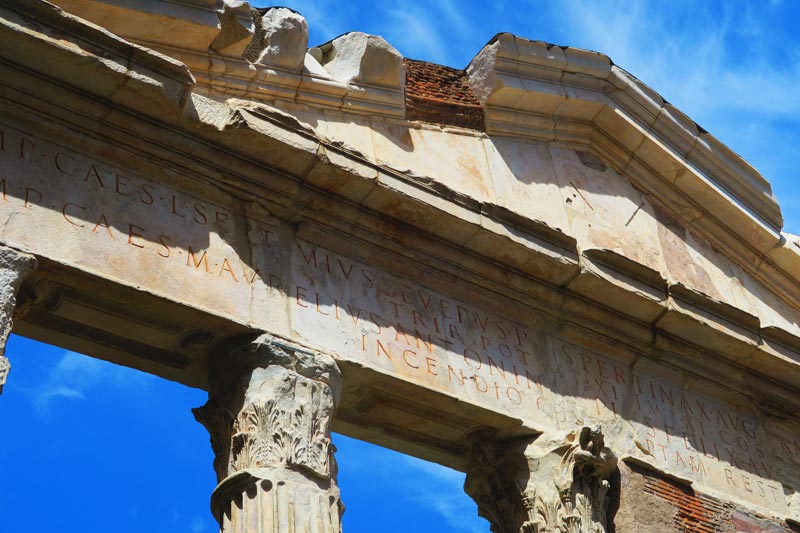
(14, 266)
(269, 415)
(357, 58)
(235, 33)
(280, 40)
(5, 367)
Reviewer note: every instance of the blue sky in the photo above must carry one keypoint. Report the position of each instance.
(77, 428)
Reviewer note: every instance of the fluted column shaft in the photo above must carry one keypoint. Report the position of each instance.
(14, 267)
(269, 414)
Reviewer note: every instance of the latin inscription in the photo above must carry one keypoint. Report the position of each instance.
(688, 432)
(407, 329)
(90, 213)
(362, 313)
(85, 211)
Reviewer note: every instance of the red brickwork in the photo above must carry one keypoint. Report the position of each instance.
(701, 513)
(442, 95)
(697, 513)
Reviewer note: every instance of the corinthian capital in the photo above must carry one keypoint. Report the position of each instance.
(546, 484)
(269, 414)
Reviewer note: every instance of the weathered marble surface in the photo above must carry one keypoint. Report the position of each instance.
(269, 414)
(552, 482)
(183, 240)
(14, 267)
(541, 277)
(661, 417)
(151, 228)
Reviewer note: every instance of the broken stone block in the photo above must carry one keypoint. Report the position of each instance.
(236, 29)
(360, 58)
(280, 40)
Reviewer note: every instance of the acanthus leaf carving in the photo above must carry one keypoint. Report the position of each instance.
(269, 435)
(284, 407)
(563, 489)
(269, 414)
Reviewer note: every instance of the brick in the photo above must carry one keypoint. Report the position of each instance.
(442, 95)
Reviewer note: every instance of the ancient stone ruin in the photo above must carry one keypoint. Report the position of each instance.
(535, 270)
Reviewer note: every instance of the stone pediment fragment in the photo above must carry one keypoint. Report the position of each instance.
(236, 31)
(280, 39)
(188, 25)
(359, 58)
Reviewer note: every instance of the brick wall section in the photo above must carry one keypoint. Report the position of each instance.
(442, 95)
(701, 513)
(696, 513)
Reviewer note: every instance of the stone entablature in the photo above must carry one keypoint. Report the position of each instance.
(533, 94)
(234, 50)
(568, 265)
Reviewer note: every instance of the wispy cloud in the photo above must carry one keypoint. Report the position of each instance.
(76, 377)
(198, 525)
(441, 490)
(430, 488)
(326, 19)
(419, 37)
(194, 524)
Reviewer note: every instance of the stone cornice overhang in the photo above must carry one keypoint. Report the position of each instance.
(537, 90)
(510, 263)
(211, 38)
(547, 92)
(529, 89)
(38, 33)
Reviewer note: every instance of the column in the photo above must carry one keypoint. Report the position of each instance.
(546, 484)
(269, 414)
(14, 266)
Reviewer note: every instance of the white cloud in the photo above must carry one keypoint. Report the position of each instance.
(76, 376)
(198, 525)
(412, 30)
(54, 392)
(441, 490)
